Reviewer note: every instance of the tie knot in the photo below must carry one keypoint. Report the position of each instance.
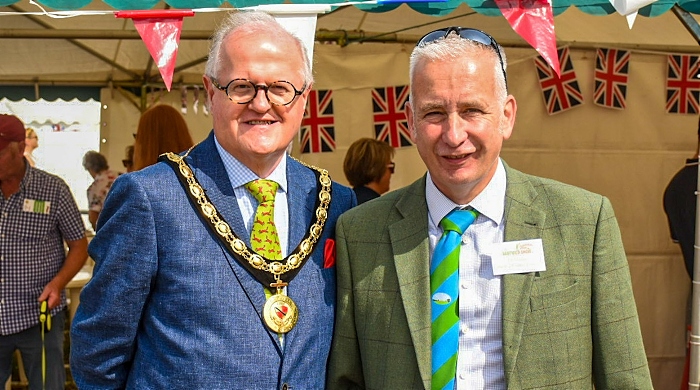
(458, 220)
(262, 189)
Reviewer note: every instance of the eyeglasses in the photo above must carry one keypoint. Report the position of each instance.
(242, 91)
(392, 167)
(470, 34)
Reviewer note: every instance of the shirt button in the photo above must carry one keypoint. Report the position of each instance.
(462, 375)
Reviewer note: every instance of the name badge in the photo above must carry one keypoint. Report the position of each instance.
(517, 257)
(36, 206)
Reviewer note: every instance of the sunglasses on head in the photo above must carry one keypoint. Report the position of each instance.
(470, 34)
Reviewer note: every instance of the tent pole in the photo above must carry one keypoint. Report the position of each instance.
(688, 21)
(694, 371)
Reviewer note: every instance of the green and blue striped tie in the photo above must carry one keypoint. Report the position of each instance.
(444, 290)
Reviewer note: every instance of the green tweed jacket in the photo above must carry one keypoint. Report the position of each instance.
(573, 326)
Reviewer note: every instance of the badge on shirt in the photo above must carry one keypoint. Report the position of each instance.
(36, 206)
(517, 257)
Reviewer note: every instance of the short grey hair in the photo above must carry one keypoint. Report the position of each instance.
(251, 20)
(452, 47)
(94, 162)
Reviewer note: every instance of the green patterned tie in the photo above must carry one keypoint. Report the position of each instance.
(263, 237)
(444, 292)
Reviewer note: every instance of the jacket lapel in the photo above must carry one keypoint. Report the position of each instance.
(213, 178)
(522, 223)
(409, 238)
(300, 205)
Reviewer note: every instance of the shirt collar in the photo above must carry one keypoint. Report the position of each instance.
(239, 174)
(490, 202)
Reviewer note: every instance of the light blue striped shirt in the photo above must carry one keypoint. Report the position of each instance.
(239, 175)
(480, 359)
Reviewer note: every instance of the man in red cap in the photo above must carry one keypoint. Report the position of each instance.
(37, 215)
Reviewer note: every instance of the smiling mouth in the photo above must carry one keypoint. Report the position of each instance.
(260, 122)
(458, 157)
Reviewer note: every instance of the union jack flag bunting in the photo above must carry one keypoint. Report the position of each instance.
(682, 87)
(317, 133)
(611, 70)
(559, 93)
(390, 123)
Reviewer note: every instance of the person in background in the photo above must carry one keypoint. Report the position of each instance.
(31, 141)
(215, 268)
(161, 129)
(680, 206)
(535, 294)
(96, 165)
(128, 160)
(38, 215)
(368, 168)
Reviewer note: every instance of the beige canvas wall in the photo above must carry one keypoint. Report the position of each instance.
(627, 155)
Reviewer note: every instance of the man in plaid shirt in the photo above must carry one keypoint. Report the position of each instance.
(37, 215)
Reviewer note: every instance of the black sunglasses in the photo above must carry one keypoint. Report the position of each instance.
(470, 34)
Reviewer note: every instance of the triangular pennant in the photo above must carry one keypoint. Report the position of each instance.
(160, 31)
(629, 8)
(162, 37)
(533, 20)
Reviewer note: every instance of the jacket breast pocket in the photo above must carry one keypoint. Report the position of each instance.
(560, 310)
(555, 298)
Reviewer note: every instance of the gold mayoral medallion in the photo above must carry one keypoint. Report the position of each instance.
(280, 313)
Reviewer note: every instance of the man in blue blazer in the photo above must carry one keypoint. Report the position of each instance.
(179, 298)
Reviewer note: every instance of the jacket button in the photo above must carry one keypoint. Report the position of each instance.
(286, 387)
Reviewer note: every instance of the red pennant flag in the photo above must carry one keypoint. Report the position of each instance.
(533, 20)
(160, 31)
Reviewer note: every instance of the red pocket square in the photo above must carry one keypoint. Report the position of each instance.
(329, 253)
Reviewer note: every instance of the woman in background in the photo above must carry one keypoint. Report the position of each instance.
(161, 129)
(31, 142)
(368, 168)
(96, 165)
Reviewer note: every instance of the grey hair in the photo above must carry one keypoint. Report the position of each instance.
(95, 162)
(453, 47)
(251, 21)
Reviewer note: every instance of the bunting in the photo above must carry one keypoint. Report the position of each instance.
(611, 72)
(390, 123)
(682, 85)
(559, 93)
(317, 133)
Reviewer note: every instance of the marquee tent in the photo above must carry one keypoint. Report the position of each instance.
(626, 154)
(98, 49)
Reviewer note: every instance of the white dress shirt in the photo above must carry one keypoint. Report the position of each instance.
(480, 358)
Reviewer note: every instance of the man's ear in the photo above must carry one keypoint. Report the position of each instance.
(510, 108)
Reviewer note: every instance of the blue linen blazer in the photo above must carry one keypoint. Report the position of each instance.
(169, 308)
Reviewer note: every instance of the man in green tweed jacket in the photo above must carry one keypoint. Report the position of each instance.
(559, 315)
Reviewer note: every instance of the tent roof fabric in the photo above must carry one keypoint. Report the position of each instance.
(488, 7)
(97, 49)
